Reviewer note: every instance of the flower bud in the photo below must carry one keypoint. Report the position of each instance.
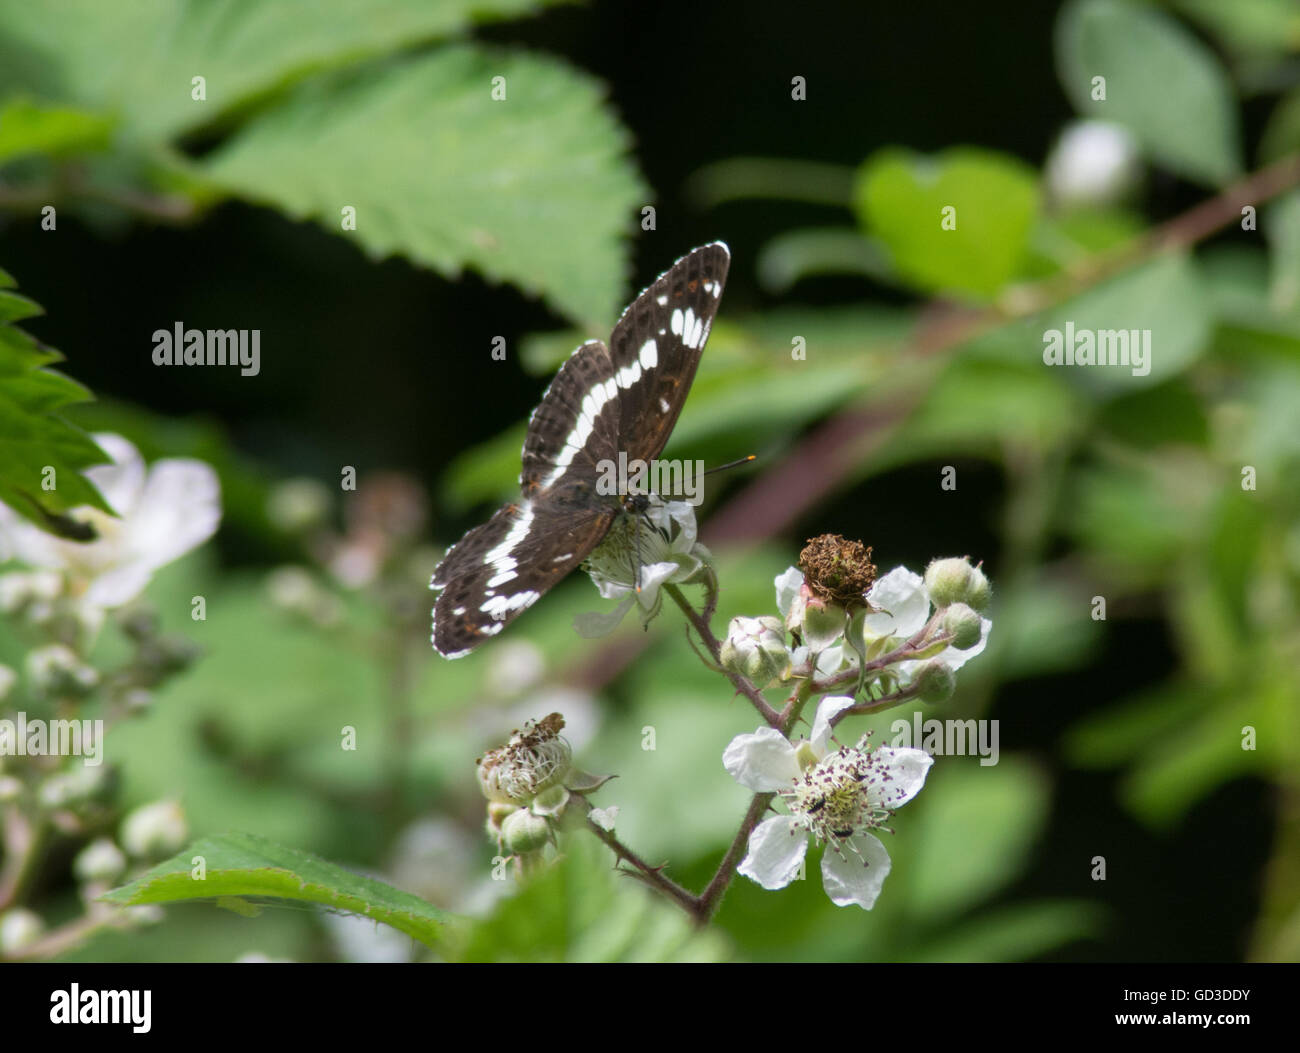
(55, 669)
(11, 788)
(963, 624)
(156, 829)
(935, 682)
(68, 789)
(534, 760)
(823, 623)
(99, 861)
(19, 928)
(524, 833)
(755, 648)
(298, 505)
(28, 590)
(950, 581)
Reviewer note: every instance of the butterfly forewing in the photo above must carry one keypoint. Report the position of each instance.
(657, 344)
(604, 401)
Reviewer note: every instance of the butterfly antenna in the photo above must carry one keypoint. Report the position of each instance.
(733, 464)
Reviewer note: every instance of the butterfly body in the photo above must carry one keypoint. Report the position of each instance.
(623, 397)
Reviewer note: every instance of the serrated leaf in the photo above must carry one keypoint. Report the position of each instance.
(36, 446)
(956, 222)
(138, 59)
(237, 865)
(442, 173)
(1161, 83)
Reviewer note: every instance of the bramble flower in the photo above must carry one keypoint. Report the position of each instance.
(899, 606)
(163, 512)
(836, 797)
(649, 551)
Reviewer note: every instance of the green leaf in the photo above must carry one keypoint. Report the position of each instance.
(246, 865)
(138, 59)
(440, 172)
(901, 198)
(1281, 135)
(580, 909)
(798, 254)
(28, 128)
(1162, 83)
(1165, 298)
(1282, 224)
(1249, 26)
(37, 446)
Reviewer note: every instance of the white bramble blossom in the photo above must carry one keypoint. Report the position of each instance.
(835, 796)
(900, 606)
(163, 512)
(651, 550)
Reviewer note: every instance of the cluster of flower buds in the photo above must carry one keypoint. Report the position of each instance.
(835, 615)
(529, 783)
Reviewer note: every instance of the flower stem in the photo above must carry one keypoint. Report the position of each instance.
(742, 684)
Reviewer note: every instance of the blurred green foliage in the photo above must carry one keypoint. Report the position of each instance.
(1118, 486)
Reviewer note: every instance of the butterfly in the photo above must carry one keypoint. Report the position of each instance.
(623, 397)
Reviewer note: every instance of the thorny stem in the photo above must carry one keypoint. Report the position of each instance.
(742, 684)
(650, 874)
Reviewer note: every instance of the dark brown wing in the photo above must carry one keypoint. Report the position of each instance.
(657, 344)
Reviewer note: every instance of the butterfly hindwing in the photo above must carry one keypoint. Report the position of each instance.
(501, 568)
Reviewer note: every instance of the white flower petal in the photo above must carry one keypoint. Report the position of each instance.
(593, 624)
(115, 587)
(827, 708)
(178, 509)
(652, 576)
(776, 849)
(120, 482)
(763, 762)
(859, 874)
(904, 604)
(900, 774)
(788, 585)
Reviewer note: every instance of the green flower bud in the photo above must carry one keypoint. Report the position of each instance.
(936, 682)
(56, 670)
(153, 830)
(19, 928)
(77, 786)
(980, 592)
(99, 861)
(823, 624)
(298, 505)
(755, 648)
(524, 833)
(963, 624)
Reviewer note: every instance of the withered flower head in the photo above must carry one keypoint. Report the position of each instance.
(837, 570)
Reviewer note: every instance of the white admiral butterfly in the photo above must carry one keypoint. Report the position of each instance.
(603, 401)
